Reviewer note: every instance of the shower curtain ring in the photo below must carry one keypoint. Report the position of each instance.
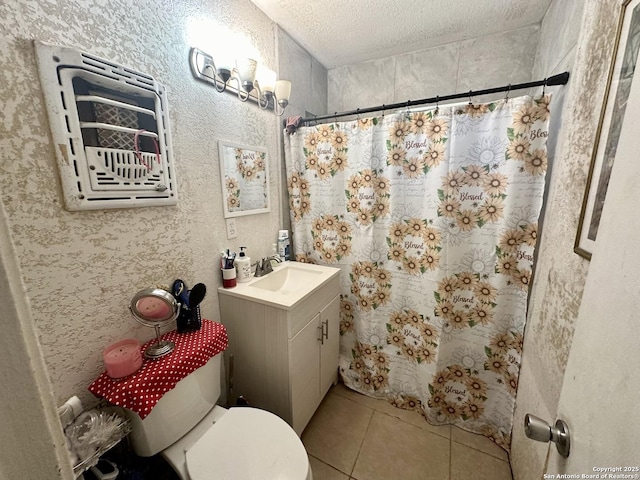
(437, 105)
(544, 86)
(506, 97)
(383, 109)
(470, 102)
(357, 114)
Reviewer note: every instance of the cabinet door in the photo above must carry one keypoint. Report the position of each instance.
(330, 349)
(304, 355)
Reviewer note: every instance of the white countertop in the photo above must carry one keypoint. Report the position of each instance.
(288, 284)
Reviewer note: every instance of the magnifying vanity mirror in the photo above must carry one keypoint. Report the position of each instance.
(155, 307)
(245, 179)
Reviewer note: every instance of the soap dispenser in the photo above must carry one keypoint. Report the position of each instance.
(243, 266)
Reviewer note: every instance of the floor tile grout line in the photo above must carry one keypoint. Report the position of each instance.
(397, 418)
(414, 425)
(364, 437)
(327, 464)
(481, 451)
(374, 409)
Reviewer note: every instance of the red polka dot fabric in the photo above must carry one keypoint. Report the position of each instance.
(141, 391)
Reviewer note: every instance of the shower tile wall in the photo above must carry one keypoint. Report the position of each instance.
(411, 80)
(558, 36)
(363, 85)
(475, 63)
(497, 60)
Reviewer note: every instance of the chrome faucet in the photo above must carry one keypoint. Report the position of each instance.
(275, 257)
(264, 266)
(259, 269)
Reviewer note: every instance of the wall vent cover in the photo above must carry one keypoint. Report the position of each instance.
(110, 128)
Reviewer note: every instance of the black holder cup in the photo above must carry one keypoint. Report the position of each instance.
(189, 319)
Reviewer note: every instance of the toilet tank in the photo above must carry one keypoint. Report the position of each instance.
(178, 411)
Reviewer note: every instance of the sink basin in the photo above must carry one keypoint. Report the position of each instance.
(287, 279)
(287, 285)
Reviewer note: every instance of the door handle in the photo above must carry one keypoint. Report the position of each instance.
(325, 329)
(537, 429)
(320, 332)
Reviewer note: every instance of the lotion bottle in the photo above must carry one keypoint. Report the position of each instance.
(243, 266)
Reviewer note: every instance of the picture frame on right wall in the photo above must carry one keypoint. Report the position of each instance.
(621, 72)
(625, 55)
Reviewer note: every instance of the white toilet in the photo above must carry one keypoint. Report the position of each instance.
(203, 441)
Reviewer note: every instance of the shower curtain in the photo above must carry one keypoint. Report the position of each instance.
(432, 218)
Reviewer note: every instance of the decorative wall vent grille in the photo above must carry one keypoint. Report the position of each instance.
(110, 127)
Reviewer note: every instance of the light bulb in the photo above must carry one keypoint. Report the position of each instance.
(283, 90)
(266, 79)
(247, 72)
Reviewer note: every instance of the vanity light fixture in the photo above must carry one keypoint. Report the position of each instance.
(247, 78)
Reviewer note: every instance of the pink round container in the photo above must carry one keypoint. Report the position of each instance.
(122, 358)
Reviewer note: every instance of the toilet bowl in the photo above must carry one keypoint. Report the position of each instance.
(204, 441)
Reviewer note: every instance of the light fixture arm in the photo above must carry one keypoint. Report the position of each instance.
(220, 78)
(256, 87)
(279, 103)
(243, 95)
(210, 71)
(263, 98)
(224, 76)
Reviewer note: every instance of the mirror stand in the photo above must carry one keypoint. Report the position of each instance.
(160, 348)
(155, 307)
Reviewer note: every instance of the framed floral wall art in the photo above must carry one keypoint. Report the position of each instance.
(245, 179)
(614, 106)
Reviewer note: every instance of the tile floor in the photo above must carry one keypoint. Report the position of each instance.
(355, 437)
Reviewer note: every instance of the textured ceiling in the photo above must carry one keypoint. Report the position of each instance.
(343, 32)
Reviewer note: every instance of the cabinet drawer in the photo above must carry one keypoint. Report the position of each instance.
(309, 308)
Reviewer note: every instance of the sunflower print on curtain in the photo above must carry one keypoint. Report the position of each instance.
(432, 218)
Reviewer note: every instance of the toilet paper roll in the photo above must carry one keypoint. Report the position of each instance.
(75, 404)
(69, 410)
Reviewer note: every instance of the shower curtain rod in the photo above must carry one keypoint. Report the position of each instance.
(559, 79)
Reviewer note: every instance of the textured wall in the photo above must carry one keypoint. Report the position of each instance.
(82, 268)
(27, 414)
(476, 63)
(582, 45)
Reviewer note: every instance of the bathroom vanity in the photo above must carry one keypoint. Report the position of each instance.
(283, 339)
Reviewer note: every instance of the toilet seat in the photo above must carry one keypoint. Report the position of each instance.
(245, 444)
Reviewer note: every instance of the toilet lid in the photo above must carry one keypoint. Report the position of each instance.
(248, 443)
